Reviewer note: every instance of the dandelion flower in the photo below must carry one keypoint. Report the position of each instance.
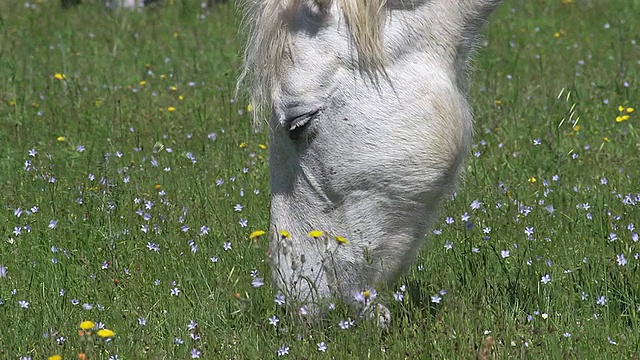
(256, 234)
(61, 138)
(87, 324)
(341, 240)
(285, 234)
(106, 333)
(316, 233)
(171, 109)
(59, 76)
(55, 357)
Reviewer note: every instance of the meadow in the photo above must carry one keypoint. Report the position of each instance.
(131, 181)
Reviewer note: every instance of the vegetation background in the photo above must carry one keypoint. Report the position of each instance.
(131, 180)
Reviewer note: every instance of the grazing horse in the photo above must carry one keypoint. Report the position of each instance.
(369, 129)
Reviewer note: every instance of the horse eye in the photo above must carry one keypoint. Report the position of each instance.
(300, 123)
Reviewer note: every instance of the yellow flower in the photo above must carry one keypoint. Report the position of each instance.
(315, 233)
(105, 333)
(12, 103)
(55, 357)
(157, 186)
(285, 234)
(98, 102)
(174, 88)
(61, 138)
(629, 110)
(256, 234)
(59, 76)
(148, 66)
(606, 139)
(163, 76)
(621, 108)
(87, 324)
(532, 179)
(576, 128)
(180, 97)
(366, 294)
(622, 118)
(143, 83)
(560, 33)
(262, 146)
(498, 102)
(341, 240)
(176, 35)
(171, 109)
(243, 145)
(249, 108)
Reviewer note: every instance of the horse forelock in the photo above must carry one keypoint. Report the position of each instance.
(268, 37)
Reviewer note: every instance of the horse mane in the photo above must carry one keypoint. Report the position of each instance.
(265, 22)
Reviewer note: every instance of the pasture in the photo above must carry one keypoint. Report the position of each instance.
(131, 180)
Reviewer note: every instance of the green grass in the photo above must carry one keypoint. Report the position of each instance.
(550, 71)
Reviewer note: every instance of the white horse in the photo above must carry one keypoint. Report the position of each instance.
(369, 129)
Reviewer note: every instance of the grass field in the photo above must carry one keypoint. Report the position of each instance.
(130, 180)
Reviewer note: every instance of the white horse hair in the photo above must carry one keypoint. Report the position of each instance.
(369, 129)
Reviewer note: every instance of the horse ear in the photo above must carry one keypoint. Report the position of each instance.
(318, 8)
